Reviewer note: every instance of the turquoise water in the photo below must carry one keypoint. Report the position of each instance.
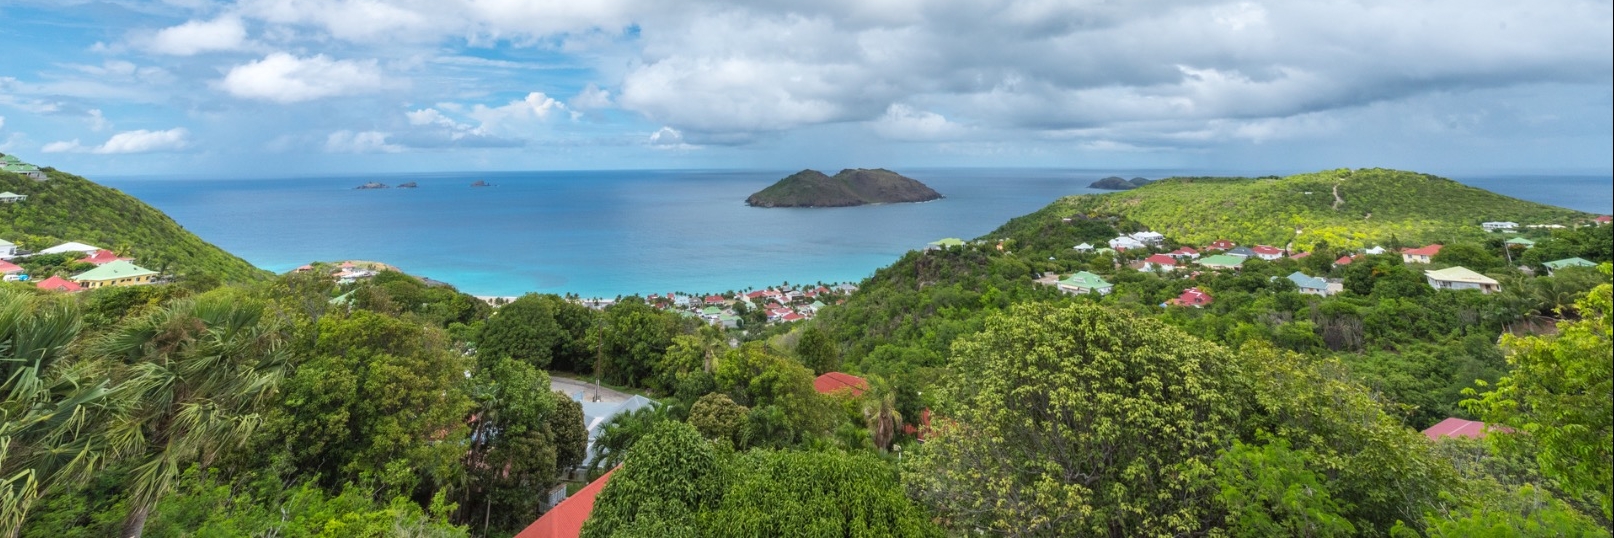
(602, 234)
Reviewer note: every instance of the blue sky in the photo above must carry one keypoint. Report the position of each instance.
(294, 87)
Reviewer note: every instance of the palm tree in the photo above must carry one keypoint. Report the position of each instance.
(197, 372)
(619, 434)
(880, 411)
(48, 404)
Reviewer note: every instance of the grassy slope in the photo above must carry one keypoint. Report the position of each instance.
(1414, 208)
(71, 208)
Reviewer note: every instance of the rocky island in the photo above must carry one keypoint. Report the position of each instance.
(409, 185)
(850, 187)
(372, 185)
(1114, 183)
(480, 183)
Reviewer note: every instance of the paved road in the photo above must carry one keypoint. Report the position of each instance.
(572, 386)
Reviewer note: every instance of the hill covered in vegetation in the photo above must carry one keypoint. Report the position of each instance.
(1344, 208)
(70, 208)
(851, 187)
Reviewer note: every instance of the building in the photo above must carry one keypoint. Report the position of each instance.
(1244, 252)
(1555, 265)
(57, 283)
(10, 163)
(944, 243)
(1310, 285)
(8, 250)
(103, 257)
(834, 382)
(1300, 255)
(1521, 242)
(1503, 226)
(1221, 244)
(1268, 253)
(11, 271)
(1126, 243)
(1421, 254)
(1456, 427)
(566, 519)
(1184, 252)
(1191, 297)
(597, 414)
(115, 273)
(1346, 260)
(1084, 247)
(1148, 238)
(71, 247)
(1375, 251)
(1460, 278)
(1603, 219)
(9, 197)
(1085, 282)
(1158, 262)
(1221, 261)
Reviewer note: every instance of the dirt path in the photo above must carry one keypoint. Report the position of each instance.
(1337, 199)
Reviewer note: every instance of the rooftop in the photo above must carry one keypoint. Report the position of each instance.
(1460, 274)
(834, 381)
(114, 270)
(1456, 427)
(566, 519)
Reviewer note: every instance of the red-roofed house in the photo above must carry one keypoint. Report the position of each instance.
(792, 317)
(1456, 427)
(1420, 255)
(1222, 244)
(755, 294)
(57, 283)
(8, 268)
(837, 381)
(1184, 252)
(1158, 262)
(1267, 252)
(924, 426)
(566, 519)
(1192, 297)
(104, 256)
(1300, 255)
(1346, 260)
(1603, 219)
(714, 299)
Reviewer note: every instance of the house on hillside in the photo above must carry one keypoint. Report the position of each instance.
(1346, 260)
(1126, 243)
(8, 250)
(1191, 297)
(60, 284)
(1184, 252)
(115, 273)
(1521, 242)
(1221, 244)
(10, 163)
(1421, 254)
(10, 271)
(1461, 278)
(1555, 265)
(1158, 262)
(1268, 253)
(1085, 282)
(1148, 238)
(9, 197)
(1310, 285)
(1084, 247)
(1300, 255)
(1456, 427)
(597, 414)
(1374, 251)
(1603, 219)
(834, 382)
(1221, 261)
(103, 257)
(1503, 226)
(71, 247)
(946, 242)
(1243, 252)
(565, 519)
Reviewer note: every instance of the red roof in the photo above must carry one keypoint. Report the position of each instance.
(1430, 250)
(1456, 427)
(102, 256)
(1605, 219)
(1193, 297)
(1160, 259)
(1268, 250)
(1299, 255)
(1223, 244)
(835, 381)
(755, 294)
(8, 267)
(1344, 260)
(712, 299)
(793, 317)
(924, 425)
(566, 519)
(59, 284)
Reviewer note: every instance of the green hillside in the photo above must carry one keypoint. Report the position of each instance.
(1373, 205)
(71, 208)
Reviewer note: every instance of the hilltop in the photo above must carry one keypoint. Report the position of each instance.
(851, 187)
(1115, 183)
(1345, 208)
(70, 208)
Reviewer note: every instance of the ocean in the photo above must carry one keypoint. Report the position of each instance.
(610, 233)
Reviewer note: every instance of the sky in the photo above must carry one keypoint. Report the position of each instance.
(260, 88)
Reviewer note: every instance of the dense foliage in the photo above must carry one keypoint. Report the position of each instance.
(70, 208)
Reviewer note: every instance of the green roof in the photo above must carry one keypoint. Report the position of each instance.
(1569, 262)
(1521, 241)
(1085, 279)
(113, 271)
(948, 242)
(1225, 260)
(711, 311)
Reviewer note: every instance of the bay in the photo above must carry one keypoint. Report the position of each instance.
(609, 233)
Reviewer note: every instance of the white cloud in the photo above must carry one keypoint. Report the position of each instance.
(283, 78)
(140, 141)
(97, 121)
(515, 116)
(2, 122)
(591, 98)
(194, 37)
(903, 122)
(360, 142)
(669, 138)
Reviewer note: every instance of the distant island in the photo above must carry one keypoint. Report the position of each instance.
(850, 187)
(372, 185)
(1114, 183)
(480, 183)
(409, 185)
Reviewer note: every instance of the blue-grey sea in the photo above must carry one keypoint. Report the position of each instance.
(608, 233)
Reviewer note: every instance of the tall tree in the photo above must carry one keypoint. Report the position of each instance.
(199, 369)
(524, 330)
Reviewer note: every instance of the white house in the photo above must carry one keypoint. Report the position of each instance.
(9, 197)
(1149, 238)
(1084, 247)
(69, 247)
(1126, 243)
(1460, 278)
(1499, 226)
(8, 250)
(1375, 251)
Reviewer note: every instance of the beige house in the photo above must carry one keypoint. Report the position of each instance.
(116, 273)
(1461, 278)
